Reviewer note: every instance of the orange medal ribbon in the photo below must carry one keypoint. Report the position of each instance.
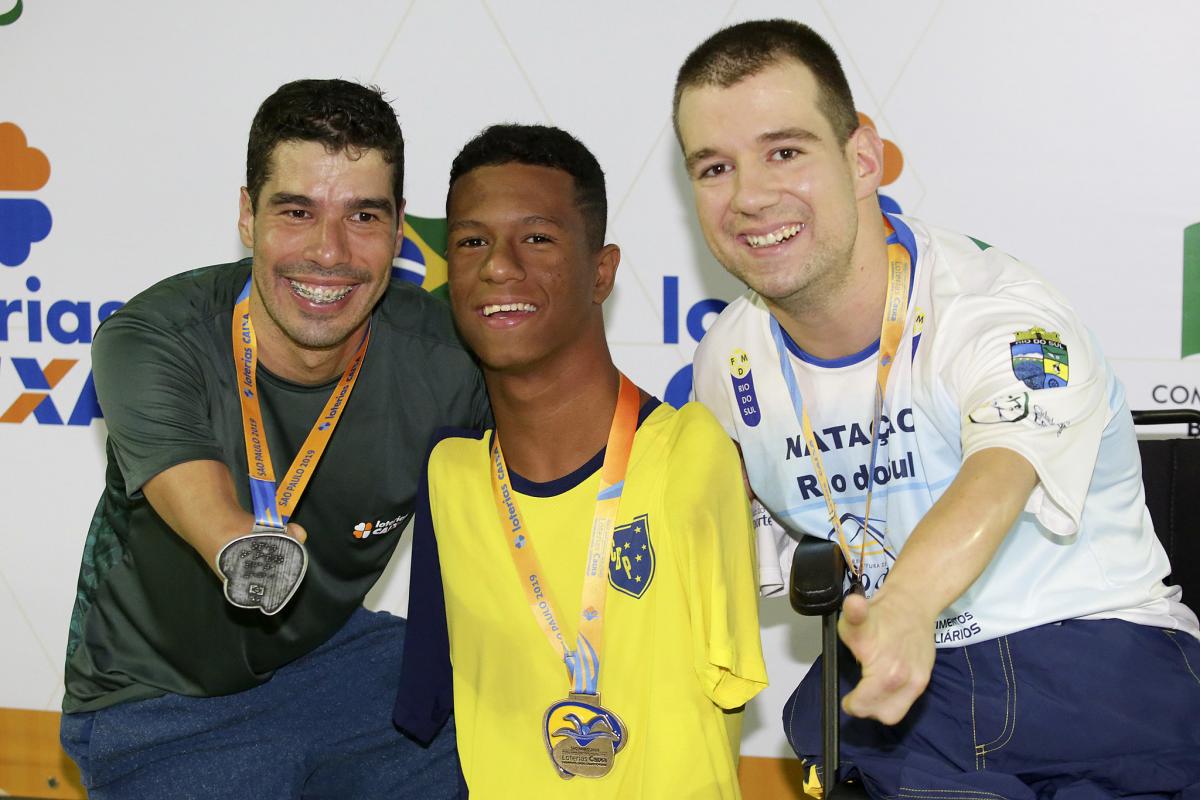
(582, 661)
(273, 504)
(895, 314)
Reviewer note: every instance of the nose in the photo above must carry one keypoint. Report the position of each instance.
(328, 243)
(501, 264)
(753, 190)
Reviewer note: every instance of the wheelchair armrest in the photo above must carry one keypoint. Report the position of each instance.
(1166, 416)
(818, 575)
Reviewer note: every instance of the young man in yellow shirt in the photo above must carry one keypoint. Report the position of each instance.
(587, 488)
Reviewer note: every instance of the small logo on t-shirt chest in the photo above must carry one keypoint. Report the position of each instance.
(365, 530)
(743, 387)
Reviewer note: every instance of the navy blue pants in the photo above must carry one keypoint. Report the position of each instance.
(320, 728)
(1073, 710)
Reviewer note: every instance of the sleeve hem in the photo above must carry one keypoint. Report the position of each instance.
(1047, 501)
(729, 690)
(134, 482)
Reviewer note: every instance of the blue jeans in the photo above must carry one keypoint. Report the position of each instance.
(1081, 709)
(320, 728)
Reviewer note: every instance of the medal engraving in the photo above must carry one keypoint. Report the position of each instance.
(263, 569)
(582, 737)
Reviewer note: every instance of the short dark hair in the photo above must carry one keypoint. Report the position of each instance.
(344, 116)
(732, 54)
(541, 146)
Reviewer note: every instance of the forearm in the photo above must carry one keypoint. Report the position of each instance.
(957, 538)
(198, 500)
(892, 635)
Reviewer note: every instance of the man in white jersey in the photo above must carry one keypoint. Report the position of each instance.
(935, 407)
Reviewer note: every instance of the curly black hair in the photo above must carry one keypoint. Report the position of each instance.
(541, 146)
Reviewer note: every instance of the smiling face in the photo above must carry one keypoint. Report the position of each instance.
(777, 196)
(323, 236)
(525, 286)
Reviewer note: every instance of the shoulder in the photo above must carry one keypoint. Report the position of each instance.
(414, 313)
(180, 301)
(454, 447)
(975, 286)
(960, 265)
(696, 465)
(417, 330)
(691, 436)
(740, 320)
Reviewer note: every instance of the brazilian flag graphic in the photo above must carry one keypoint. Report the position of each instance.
(422, 258)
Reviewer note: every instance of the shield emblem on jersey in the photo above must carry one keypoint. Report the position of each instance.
(631, 562)
(1039, 359)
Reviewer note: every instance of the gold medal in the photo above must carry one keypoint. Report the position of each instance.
(582, 736)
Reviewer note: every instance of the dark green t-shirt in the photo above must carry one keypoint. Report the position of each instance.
(150, 616)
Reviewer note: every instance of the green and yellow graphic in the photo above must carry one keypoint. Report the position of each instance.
(12, 15)
(1191, 291)
(422, 258)
(1039, 358)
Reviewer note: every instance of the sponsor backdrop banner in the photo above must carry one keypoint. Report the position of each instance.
(1061, 132)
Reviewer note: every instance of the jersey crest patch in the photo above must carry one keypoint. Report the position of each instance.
(631, 562)
(743, 388)
(1039, 358)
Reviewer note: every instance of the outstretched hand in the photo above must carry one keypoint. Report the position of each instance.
(894, 644)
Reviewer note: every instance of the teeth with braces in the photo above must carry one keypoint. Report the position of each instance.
(775, 237)
(492, 309)
(320, 294)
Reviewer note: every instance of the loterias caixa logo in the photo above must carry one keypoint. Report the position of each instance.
(33, 324)
(38, 385)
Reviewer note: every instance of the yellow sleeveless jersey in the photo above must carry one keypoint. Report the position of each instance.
(682, 652)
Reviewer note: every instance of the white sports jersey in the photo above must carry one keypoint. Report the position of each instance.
(992, 356)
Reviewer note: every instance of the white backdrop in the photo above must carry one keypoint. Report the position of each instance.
(1062, 132)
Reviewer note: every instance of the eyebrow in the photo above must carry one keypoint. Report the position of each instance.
(287, 199)
(538, 219)
(463, 223)
(357, 204)
(532, 219)
(802, 134)
(371, 203)
(770, 137)
(696, 156)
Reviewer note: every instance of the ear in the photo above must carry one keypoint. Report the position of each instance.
(400, 228)
(607, 262)
(864, 152)
(246, 219)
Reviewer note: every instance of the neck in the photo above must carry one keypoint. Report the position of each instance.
(551, 421)
(301, 365)
(832, 322)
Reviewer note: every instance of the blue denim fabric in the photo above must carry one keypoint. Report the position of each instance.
(1074, 710)
(320, 728)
